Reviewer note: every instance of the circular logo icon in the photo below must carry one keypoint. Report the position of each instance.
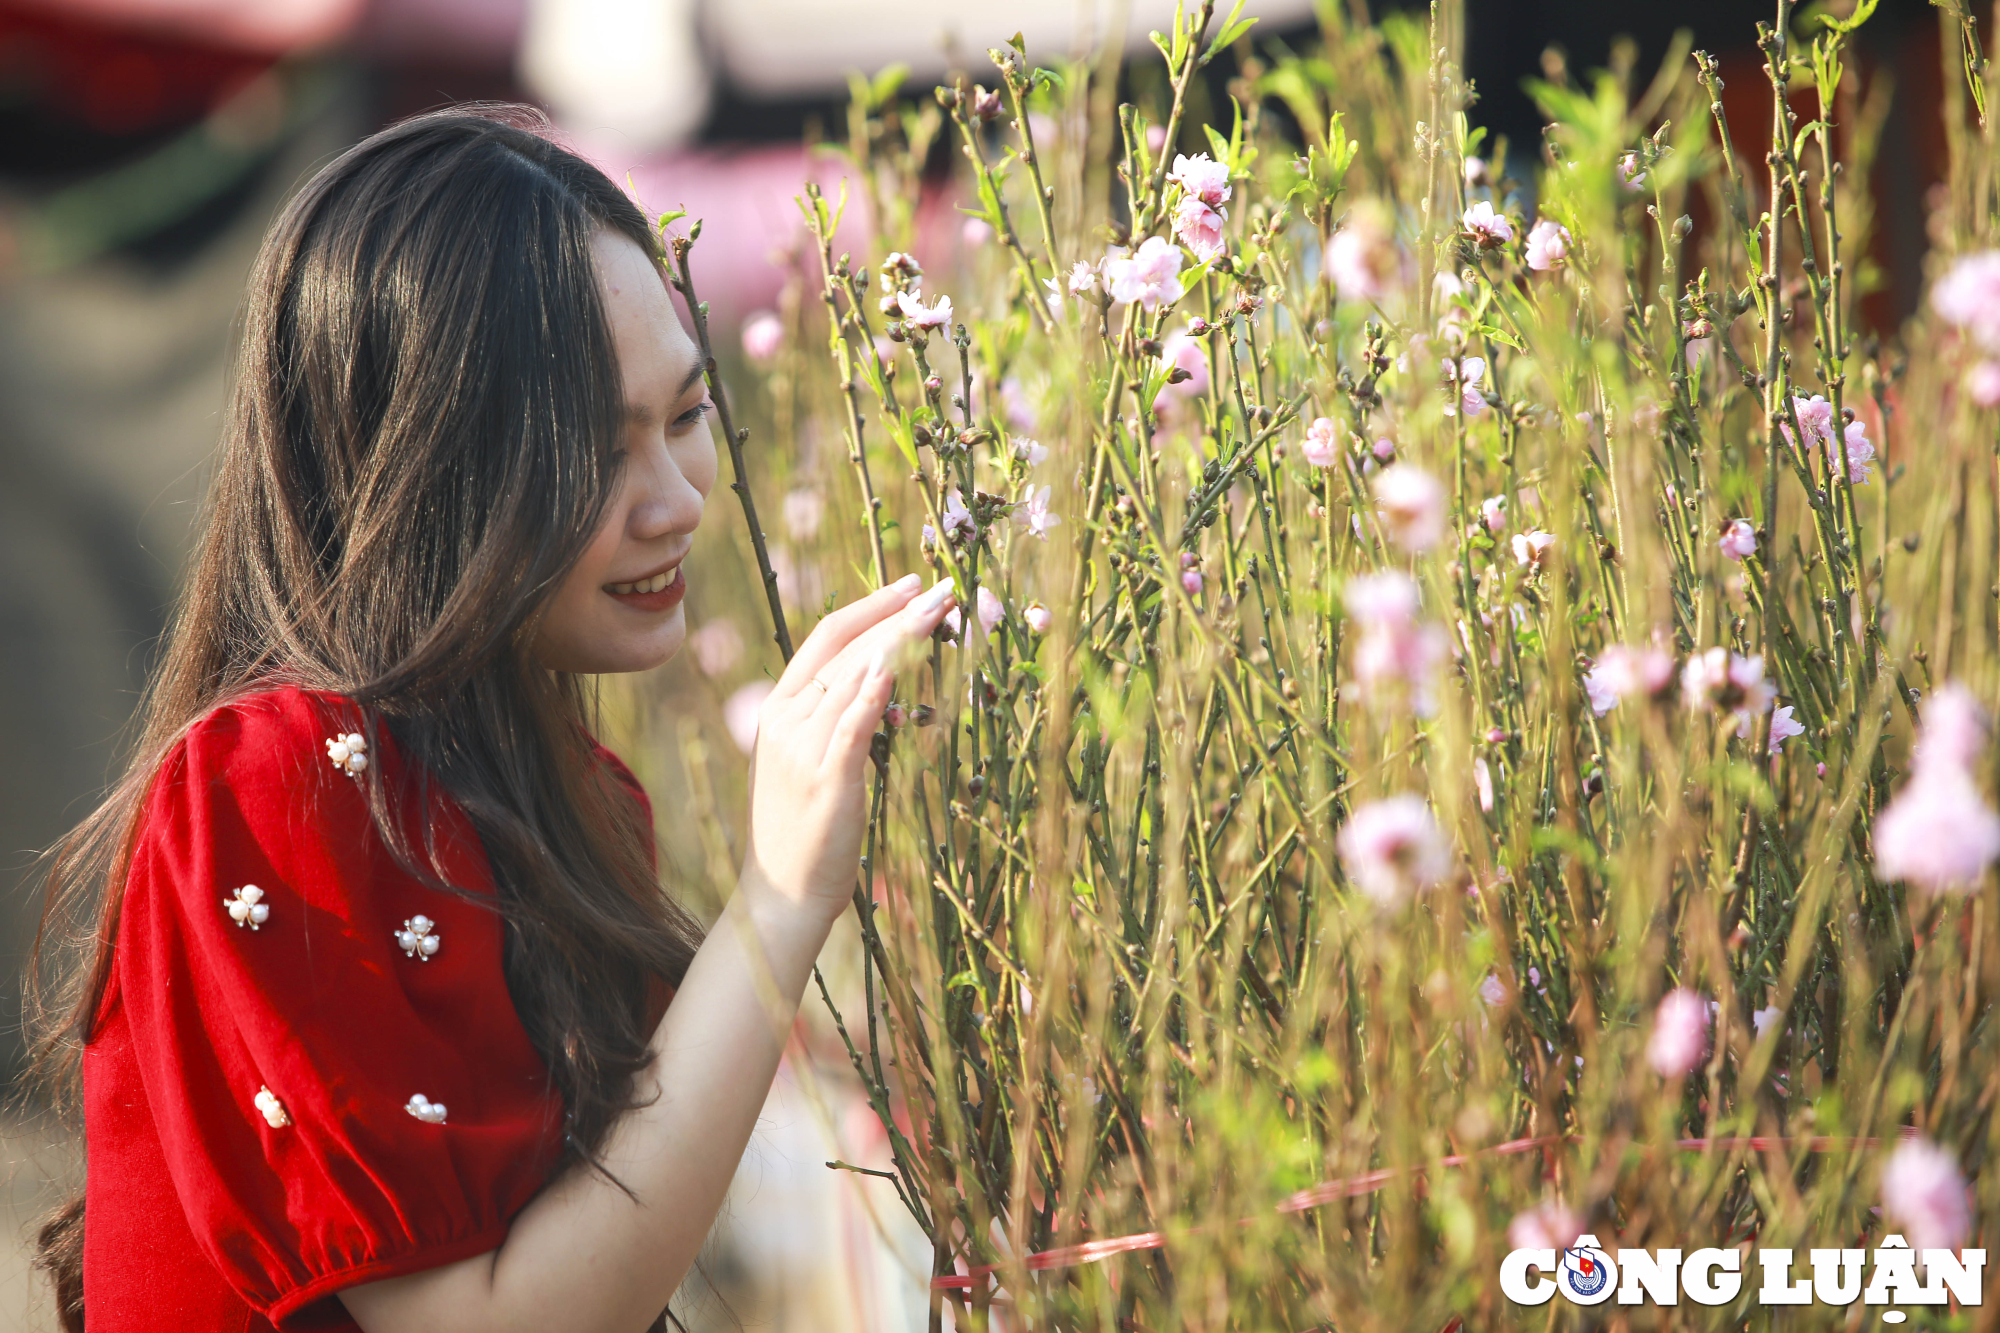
(1586, 1274)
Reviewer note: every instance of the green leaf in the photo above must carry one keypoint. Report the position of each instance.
(1496, 333)
(1232, 28)
(1218, 147)
(887, 84)
(1289, 84)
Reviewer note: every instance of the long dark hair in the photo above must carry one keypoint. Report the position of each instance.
(419, 445)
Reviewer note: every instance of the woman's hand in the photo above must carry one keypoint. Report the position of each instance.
(808, 799)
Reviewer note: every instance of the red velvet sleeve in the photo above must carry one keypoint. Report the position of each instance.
(286, 1059)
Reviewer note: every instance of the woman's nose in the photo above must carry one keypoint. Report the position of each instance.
(670, 504)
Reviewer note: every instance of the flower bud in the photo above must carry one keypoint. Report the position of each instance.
(923, 715)
(985, 105)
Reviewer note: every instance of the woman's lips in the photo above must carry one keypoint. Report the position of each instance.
(663, 600)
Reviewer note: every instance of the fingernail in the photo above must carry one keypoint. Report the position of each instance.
(908, 583)
(940, 592)
(878, 663)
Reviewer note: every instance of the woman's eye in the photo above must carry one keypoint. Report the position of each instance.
(693, 415)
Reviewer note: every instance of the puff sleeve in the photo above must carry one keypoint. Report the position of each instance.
(334, 1105)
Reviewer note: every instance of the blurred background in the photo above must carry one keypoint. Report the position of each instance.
(144, 146)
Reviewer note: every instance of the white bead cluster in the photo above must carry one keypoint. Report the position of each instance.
(247, 906)
(418, 938)
(273, 1110)
(349, 754)
(424, 1109)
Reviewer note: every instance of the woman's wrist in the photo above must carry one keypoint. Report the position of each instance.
(781, 914)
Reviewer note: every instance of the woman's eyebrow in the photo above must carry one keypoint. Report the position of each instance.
(694, 373)
(641, 413)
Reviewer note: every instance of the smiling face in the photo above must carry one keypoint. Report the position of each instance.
(620, 606)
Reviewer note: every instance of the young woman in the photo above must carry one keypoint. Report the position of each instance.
(371, 1006)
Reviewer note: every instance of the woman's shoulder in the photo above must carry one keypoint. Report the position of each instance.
(283, 772)
(273, 731)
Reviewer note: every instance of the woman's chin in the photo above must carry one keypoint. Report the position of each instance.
(619, 650)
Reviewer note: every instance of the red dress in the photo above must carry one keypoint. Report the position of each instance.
(249, 1085)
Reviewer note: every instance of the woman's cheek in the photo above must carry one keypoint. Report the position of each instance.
(704, 467)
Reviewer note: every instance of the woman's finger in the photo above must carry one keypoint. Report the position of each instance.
(840, 628)
(840, 695)
(892, 636)
(856, 724)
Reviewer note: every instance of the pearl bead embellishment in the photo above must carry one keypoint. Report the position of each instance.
(247, 906)
(424, 1109)
(418, 938)
(349, 754)
(273, 1110)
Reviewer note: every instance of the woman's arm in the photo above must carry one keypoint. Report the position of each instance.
(584, 1255)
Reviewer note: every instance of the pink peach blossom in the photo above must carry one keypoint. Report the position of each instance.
(934, 316)
(1033, 513)
(1968, 296)
(1548, 245)
(1623, 673)
(803, 510)
(717, 645)
(990, 612)
(1924, 1192)
(1719, 678)
(1029, 451)
(1488, 229)
(1546, 1226)
(1393, 848)
(1954, 733)
(763, 335)
(1148, 277)
(1199, 228)
(1680, 1034)
(1319, 448)
(1532, 547)
(739, 713)
(1202, 178)
(1938, 832)
(1395, 653)
(1363, 258)
(1739, 540)
(1982, 384)
(1411, 503)
(1467, 374)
